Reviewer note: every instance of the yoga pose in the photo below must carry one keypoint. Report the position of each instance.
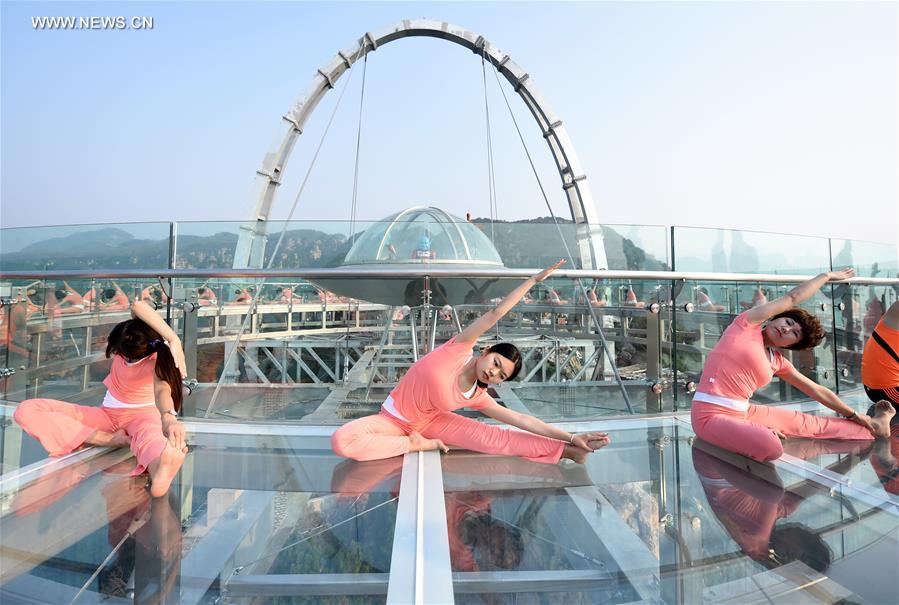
(418, 413)
(880, 360)
(745, 360)
(140, 408)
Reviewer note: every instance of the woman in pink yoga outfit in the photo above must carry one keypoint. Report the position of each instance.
(140, 408)
(418, 413)
(746, 359)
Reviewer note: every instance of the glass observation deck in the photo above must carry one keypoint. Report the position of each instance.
(264, 512)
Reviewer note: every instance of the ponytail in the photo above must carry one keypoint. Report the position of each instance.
(133, 339)
(167, 370)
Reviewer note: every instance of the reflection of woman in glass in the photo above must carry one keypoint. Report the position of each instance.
(750, 507)
(745, 359)
(418, 414)
(479, 540)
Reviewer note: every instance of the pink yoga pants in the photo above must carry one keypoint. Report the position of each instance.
(383, 436)
(751, 433)
(63, 427)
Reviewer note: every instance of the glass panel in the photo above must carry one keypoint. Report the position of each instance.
(242, 507)
(119, 246)
(655, 517)
(723, 251)
(870, 259)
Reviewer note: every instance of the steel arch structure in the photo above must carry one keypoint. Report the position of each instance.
(251, 244)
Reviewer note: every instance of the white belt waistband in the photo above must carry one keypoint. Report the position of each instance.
(109, 401)
(741, 405)
(388, 407)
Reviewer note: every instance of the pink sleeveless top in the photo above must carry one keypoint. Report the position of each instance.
(740, 363)
(132, 383)
(431, 385)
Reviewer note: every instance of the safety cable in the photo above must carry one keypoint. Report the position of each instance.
(491, 175)
(135, 525)
(324, 528)
(261, 281)
(580, 283)
(358, 143)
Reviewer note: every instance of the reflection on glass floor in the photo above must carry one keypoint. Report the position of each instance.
(655, 517)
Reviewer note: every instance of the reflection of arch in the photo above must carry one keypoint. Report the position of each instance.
(251, 245)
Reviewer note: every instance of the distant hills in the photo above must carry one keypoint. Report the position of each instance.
(529, 243)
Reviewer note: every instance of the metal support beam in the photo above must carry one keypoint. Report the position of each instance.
(420, 564)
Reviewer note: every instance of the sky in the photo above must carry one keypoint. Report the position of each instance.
(768, 116)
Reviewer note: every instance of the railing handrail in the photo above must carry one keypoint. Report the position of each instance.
(433, 272)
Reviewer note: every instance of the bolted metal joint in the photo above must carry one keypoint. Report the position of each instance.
(190, 385)
(657, 388)
(689, 307)
(662, 442)
(654, 308)
(6, 372)
(690, 387)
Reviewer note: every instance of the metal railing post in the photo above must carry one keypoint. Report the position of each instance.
(654, 359)
(188, 300)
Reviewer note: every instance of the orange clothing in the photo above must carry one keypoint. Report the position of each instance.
(132, 383)
(879, 369)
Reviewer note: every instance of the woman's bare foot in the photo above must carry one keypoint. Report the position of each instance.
(163, 470)
(881, 451)
(417, 443)
(117, 439)
(579, 454)
(883, 413)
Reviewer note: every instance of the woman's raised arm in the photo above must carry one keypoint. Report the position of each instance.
(489, 319)
(142, 311)
(797, 295)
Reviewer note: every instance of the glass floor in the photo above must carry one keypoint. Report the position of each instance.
(655, 517)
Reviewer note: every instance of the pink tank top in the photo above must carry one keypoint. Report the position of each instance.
(431, 385)
(132, 383)
(740, 364)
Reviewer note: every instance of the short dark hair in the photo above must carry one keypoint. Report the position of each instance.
(794, 541)
(812, 330)
(510, 352)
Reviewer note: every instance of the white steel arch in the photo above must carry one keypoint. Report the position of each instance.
(251, 243)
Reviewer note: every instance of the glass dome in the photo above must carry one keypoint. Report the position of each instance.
(423, 235)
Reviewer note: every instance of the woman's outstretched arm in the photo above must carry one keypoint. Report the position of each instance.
(536, 426)
(489, 319)
(826, 397)
(797, 295)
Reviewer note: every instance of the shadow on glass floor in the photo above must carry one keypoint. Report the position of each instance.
(654, 517)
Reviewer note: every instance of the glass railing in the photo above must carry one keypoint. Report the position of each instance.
(328, 349)
(730, 251)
